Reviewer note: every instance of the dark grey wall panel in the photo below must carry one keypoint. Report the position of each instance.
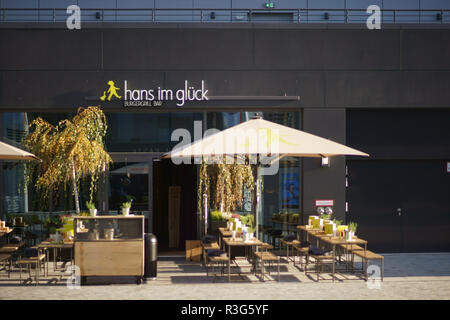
(319, 182)
(426, 49)
(386, 89)
(177, 48)
(327, 49)
(50, 49)
(53, 90)
(400, 134)
(308, 85)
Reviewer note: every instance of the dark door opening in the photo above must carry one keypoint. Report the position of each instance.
(400, 205)
(175, 204)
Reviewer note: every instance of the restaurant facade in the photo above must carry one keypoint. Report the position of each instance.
(384, 92)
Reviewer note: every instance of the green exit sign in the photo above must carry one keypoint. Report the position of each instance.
(269, 5)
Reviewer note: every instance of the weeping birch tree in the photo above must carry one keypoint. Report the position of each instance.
(70, 151)
(223, 184)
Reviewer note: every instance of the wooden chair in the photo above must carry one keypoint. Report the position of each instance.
(207, 247)
(6, 258)
(301, 252)
(11, 248)
(221, 261)
(319, 261)
(289, 244)
(37, 261)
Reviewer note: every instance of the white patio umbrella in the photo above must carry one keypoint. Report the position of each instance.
(265, 140)
(8, 152)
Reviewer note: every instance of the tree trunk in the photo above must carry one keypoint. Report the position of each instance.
(75, 189)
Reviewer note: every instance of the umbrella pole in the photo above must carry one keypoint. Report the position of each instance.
(205, 212)
(258, 198)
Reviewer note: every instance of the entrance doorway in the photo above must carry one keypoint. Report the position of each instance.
(175, 204)
(400, 205)
(165, 193)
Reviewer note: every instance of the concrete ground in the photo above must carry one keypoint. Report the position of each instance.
(407, 276)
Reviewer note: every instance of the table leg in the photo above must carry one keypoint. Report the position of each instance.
(229, 257)
(54, 259)
(334, 256)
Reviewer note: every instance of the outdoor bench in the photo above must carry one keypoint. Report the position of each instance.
(269, 257)
(367, 255)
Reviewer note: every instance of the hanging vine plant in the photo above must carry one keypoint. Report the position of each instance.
(223, 185)
(71, 151)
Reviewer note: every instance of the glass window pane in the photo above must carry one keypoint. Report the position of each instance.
(147, 132)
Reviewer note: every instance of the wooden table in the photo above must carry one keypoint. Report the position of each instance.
(331, 240)
(224, 233)
(239, 243)
(308, 230)
(55, 246)
(5, 233)
(334, 241)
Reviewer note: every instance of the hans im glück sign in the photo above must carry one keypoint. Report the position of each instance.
(153, 97)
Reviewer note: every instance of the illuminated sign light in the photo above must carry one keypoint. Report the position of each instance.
(269, 5)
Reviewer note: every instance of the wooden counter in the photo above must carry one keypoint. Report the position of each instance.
(111, 257)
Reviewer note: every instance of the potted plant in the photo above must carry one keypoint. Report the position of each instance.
(217, 220)
(336, 224)
(352, 226)
(52, 223)
(249, 220)
(126, 208)
(91, 206)
(284, 216)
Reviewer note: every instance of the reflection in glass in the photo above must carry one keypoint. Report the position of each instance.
(128, 181)
(147, 132)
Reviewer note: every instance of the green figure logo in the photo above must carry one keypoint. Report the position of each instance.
(112, 90)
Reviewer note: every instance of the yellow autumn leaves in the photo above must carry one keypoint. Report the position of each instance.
(72, 150)
(224, 184)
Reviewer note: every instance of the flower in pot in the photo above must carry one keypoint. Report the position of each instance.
(126, 208)
(336, 224)
(91, 206)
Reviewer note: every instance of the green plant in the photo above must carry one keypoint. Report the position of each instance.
(90, 205)
(353, 226)
(249, 221)
(126, 204)
(215, 215)
(337, 222)
(325, 216)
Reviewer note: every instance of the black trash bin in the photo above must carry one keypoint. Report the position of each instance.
(151, 256)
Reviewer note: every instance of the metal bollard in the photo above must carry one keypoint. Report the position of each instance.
(151, 256)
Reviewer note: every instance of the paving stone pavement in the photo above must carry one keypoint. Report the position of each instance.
(407, 276)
